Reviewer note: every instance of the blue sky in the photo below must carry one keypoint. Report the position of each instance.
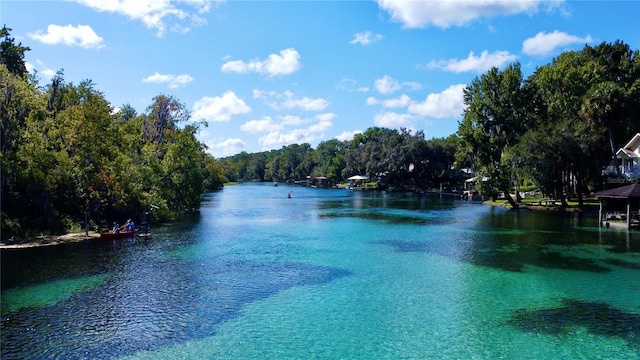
(265, 74)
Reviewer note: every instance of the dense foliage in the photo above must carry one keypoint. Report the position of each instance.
(70, 161)
(391, 158)
(558, 128)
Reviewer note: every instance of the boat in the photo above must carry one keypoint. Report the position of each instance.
(119, 235)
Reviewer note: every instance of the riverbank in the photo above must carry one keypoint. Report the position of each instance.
(49, 240)
(588, 207)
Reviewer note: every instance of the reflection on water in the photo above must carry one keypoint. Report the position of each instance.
(331, 274)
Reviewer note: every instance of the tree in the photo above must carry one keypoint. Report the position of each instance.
(611, 102)
(213, 174)
(330, 159)
(164, 114)
(22, 110)
(493, 121)
(587, 108)
(12, 55)
(183, 170)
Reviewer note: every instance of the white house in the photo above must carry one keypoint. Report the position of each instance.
(629, 156)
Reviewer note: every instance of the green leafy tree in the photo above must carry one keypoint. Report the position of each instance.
(589, 107)
(330, 157)
(12, 55)
(183, 170)
(493, 121)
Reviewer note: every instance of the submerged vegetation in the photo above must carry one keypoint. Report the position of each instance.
(71, 161)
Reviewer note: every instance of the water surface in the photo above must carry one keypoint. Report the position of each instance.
(332, 274)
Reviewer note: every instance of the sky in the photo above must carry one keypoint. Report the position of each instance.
(266, 74)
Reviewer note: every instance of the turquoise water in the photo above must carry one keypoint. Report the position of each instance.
(332, 274)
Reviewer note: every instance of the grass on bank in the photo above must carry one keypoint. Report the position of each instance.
(589, 204)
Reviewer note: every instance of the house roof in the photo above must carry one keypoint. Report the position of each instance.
(629, 148)
(635, 140)
(358, 177)
(628, 191)
(627, 152)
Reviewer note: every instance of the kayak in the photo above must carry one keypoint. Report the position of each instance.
(119, 235)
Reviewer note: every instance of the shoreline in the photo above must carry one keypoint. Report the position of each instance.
(550, 208)
(50, 240)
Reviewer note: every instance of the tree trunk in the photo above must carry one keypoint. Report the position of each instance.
(512, 202)
(612, 143)
(578, 178)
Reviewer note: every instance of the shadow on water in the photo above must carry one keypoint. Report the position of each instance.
(511, 240)
(379, 216)
(511, 259)
(390, 208)
(151, 307)
(596, 317)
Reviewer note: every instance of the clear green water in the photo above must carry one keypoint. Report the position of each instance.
(332, 274)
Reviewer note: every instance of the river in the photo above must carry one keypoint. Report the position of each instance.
(331, 274)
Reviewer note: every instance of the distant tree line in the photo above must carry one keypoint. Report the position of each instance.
(70, 162)
(397, 158)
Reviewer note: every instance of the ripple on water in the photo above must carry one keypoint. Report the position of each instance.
(47, 294)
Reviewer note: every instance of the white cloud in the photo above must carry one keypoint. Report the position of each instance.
(287, 62)
(350, 85)
(274, 140)
(446, 104)
(445, 13)
(82, 36)
(225, 147)
(306, 104)
(289, 129)
(319, 127)
(372, 101)
(400, 102)
(266, 124)
(472, 63)
(154, 14)
(174, 81)
(387, 85)
(410, 85)
(29, 66)
(366, 38)
(219, 108)
(395, 120)
(326, 116)
(292, 120)
(348, 135)
(288, 100)
(41, 68)
(544, 44)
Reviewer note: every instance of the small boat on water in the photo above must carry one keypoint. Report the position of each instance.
(118, 235)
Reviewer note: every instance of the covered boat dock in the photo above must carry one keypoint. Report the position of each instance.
(622, 206)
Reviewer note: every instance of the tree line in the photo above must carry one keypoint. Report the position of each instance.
(558, 128)
(71, 161)
(397, 158)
